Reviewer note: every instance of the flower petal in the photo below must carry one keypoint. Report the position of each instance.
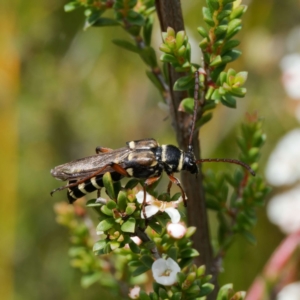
(173, 214)
(140, 197)
(150, 210)
(165, 271)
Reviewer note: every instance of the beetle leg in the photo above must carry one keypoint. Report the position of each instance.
(177, 182)
(169, 187)
(100, 149)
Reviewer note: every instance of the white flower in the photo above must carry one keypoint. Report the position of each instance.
(165, 271)
(283, 167)
(134, 293)
(290, 292)
(176, 231)
(154, 206)
(290, 65)
(284, 210)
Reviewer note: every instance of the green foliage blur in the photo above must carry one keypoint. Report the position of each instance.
(77, 90)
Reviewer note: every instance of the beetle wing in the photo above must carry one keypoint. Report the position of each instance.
(86, 166)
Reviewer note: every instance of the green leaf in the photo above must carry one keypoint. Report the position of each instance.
(147, 261)
(156, 227)
(184, 83)
(207, 17)
(187, 105)
(109, 185)
(144, 296)
(238, 12)
(134, 18)
(99, 245)
(188, 253)
(173, 253)
(105, 224)
(233, 54)
(168, 58)
(139, 270)
(129, 225)
(204, 119)
(122, 200)
(163, 293)
(155, 80)
(225, 292)
(233, 27)
(206, 289)
(92, 203)
(147, 30)
(89, 279)
(134, 247)
(91, 19)
(102, 22)
(132, 183)
(111, 204)
(148, 56)
(249, 237)
(202, 31)
(230, 45)
(106, 210)
(71, 6)
(216, 61)
(228, 101)
(126, 45)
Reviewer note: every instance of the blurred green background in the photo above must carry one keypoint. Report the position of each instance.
(65, 91)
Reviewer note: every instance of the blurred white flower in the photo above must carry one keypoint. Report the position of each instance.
(165, 270)
(283, 167)
(134, 293)
(154, 206)
(290, 66)
(176, 231)
(136, 239)
(290, 292)
(284, 210)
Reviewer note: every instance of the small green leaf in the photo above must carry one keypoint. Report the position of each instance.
(184, 83)
(204, 119)
(230, 45)
(71, 6)
(147, 30)
(238, 92)
(139, 270)
(106, 210)
(163, 293)
(147, 261)
(173, 253)
(92, 203)
(187, 105)
(122, 200)
(168, 58)
(225, 292)
(99, 245)
(238, 12)
(134, 247)
(233, 27)
(126, 45)
(180, 38)
(134, 18)
(207, 17)
(132, 183)
(223, 14)
(228, 101)
(156, 227)
(148, 56)
(129, 225)
(188, 253)
(216, 61)
(109, 185)
(102, 22)
(206, 289)
(105, 224)
(144, 296)
(190, 231)
(111, 204)
(89, 279)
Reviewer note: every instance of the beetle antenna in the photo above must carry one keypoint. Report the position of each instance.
(227, 160)
(196, 106)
